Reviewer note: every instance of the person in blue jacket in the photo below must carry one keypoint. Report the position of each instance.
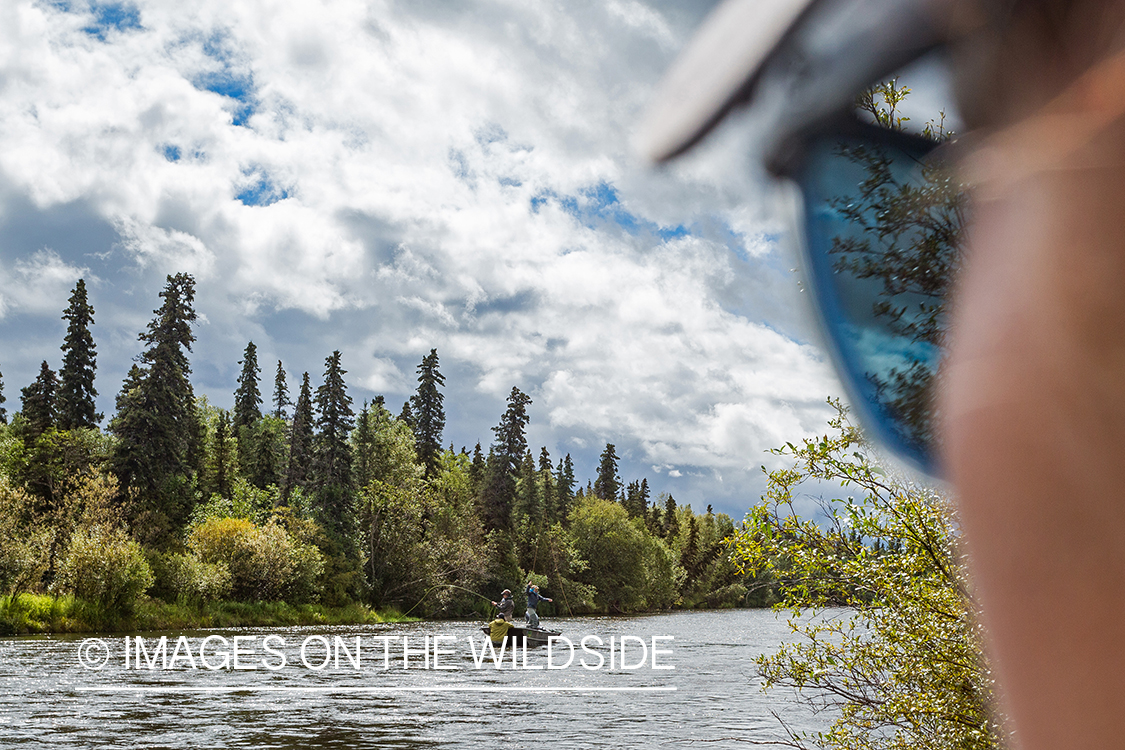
(533, 599)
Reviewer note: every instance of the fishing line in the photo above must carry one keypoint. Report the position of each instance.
(444, 586)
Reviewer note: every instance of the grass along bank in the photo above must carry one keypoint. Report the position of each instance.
(38, 613)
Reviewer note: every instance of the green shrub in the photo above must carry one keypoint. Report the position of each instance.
(188, 579)
(614, 550)
(104, 567)
(246, 501)
(24, 545)
(265, 563)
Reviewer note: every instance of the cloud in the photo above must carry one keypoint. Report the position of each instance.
(383, 178)
(34, 284)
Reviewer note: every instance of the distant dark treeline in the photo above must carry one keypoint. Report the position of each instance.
(307, 500)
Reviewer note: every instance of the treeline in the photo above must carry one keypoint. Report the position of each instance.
(312, 500)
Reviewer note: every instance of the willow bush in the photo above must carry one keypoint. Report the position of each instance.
(901, 664)
(265, 563)
(106, 568)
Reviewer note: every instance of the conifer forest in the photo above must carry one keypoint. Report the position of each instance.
(299, 494)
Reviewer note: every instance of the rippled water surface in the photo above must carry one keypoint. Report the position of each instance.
(48, 699)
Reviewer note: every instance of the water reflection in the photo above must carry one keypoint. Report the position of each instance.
(884, 215)
(716, 695)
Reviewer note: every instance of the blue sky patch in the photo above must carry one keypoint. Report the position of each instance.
(109, 17)
(170, 152)
(262, 191)
(229, 81)
(599, 205)
(459, 163)
(491, 133)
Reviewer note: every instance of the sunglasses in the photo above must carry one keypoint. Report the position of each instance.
(881, 213)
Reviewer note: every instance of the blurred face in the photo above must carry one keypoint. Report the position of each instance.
(1033, 407)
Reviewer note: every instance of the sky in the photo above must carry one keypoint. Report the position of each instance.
(384, 178)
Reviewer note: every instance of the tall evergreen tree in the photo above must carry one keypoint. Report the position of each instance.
(608, 484)
(406, 415)
(530, 501)
(222, 456)
(671, 523)
(656, 520)
(632, 492)
(363, 437)
(39, 403)
(690, 552)
(300, 440)
(154, 429)
(76, 387)
(263, 464)
(3, 411)
(428, 413)
(565, 492)
(248, 396)
(332, 455)
(280, 392)
(478, 469)
(498, 498)
(131, 456)
(547, 488)
(636, 499)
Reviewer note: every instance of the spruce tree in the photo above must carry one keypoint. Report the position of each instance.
(76, 378)
(671, 523)
(565, 492)
(632, 493)
(332, 455)
(428, 413)
(530, 501)
(154, 422)
(39, 403)
(656, 521)
(690, 552)
(406, 415)
(248, 396)
(636, 503)
(263, 464)
(222, 456)
(280, 393)
(154, 431)
(300, 440)
(3, 411)
(507, 453)
(477, 470)
(547, 488)
(608, 485)
(363, 438)
(129, 425)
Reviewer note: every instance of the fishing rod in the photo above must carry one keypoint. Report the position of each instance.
(445, 586)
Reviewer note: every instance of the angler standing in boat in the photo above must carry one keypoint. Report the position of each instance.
(533, 599)
(506, 604)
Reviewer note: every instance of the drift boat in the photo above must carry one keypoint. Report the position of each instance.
(520, 633)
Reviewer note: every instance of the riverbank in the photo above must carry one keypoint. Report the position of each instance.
(35, 613)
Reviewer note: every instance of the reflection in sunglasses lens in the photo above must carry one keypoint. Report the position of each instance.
(883, 220)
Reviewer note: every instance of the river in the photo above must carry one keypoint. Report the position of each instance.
(48, 698)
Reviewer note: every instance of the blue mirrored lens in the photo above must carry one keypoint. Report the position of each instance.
(882, 221)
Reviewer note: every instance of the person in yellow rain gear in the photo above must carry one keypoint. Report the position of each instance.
(498, 630)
